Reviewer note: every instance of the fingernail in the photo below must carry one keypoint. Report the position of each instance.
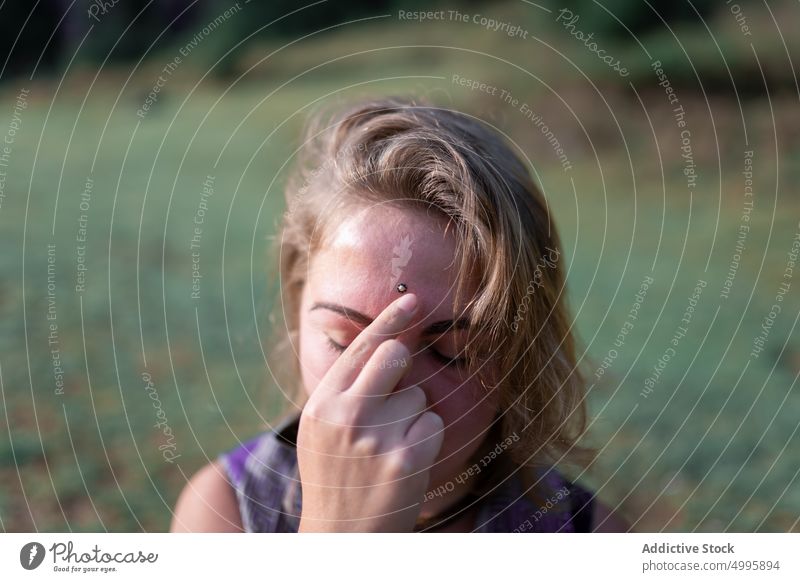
(408, 303)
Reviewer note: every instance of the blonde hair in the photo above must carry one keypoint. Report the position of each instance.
(407, 153)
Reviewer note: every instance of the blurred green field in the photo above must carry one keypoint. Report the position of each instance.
(713, 447)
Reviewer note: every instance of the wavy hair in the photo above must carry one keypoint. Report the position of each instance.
(419, 155)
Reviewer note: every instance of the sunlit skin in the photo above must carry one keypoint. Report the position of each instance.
(354, 270)
(349, 283)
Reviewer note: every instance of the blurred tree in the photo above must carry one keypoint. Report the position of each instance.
(51, 31)
(639, 16)
(24, 36)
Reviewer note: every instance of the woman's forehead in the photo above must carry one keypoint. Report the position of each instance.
(370, 252)
(388, 238)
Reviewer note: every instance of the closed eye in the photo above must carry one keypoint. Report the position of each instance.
(449, 362)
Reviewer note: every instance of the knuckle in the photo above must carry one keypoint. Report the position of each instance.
(313, 410)
(430, 425)
(399, 463)
(335, 415)
(418, 398)
(410, 401)
(393, 316)
(345, 418)
(359, 351)
(394, 349)
(367, 445)
(436, 422)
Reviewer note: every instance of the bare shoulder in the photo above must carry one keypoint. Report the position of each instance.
(607, 521)
(207, 503)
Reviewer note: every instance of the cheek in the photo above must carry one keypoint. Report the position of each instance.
(464, 407)
(453, 394)
(467, 414)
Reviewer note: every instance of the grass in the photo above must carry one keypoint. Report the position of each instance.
(713, 447)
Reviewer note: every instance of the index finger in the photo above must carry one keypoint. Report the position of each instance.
(389, 323)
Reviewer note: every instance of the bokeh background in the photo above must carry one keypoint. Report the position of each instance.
(124, 122)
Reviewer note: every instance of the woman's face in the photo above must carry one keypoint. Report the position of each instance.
(354, 277)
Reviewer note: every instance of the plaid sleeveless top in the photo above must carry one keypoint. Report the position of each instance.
(263, 473)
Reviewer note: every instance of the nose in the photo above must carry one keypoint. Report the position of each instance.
(417, 372)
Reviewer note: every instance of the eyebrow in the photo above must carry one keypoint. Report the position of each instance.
(438, 328)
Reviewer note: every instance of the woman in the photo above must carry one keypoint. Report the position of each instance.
(425, 321)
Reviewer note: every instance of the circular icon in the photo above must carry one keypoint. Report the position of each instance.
(31, 555)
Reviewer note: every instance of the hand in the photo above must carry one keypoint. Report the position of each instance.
(363, 450)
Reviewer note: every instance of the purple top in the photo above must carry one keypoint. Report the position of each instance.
(263, 472)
